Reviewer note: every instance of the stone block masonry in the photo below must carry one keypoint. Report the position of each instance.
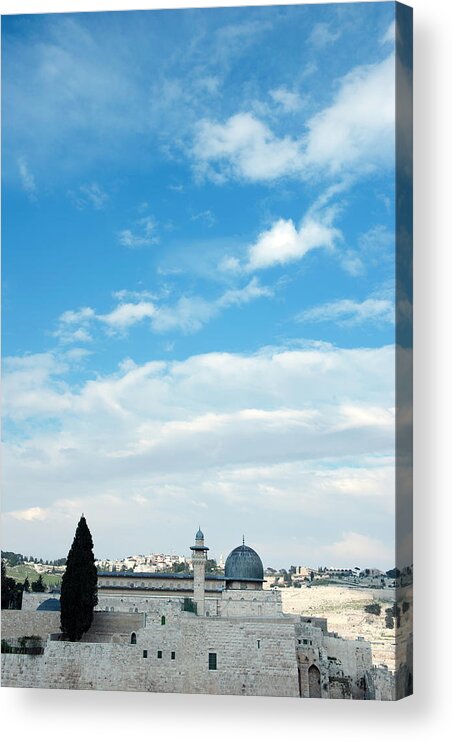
(27, 623)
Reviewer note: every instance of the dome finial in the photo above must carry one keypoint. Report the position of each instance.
(243, 539)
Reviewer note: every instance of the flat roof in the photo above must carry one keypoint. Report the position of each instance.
(159, 575)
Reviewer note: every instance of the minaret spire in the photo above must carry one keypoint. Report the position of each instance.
(199, 556)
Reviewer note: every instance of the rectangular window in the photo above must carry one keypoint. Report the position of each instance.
(258, 643)
(172, 655)
(145, 654)
(159, 654)
(304, 641)
(212, 661)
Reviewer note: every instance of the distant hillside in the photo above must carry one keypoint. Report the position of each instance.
(12, 558)
(21, 571)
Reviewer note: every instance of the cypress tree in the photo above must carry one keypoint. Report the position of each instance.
(79, 587)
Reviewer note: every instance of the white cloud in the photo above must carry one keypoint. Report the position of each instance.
(244, 147)
(67, 333)
(289, 100)
(355, 133)
(204, 216)
(377, 243)
(349, 312)
(190, 313)
(283, 432)
(27, 178)
(32, 386)
(357, 129)
(75, 316)
(321, 35)
(187, 315)
(236, 297)
(90, 194)
(375, 248)
(284, 243)
(357, 548)
(30, 514)
(125, 315)
(142, 236)
(389, 37)
(126, 294)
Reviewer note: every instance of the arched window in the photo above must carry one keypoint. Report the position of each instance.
(133, 638)
(163, 620)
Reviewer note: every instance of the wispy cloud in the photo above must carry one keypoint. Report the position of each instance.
(73, 326)
(379, 308)
(357, 129)
(374, 248)
(355, 132)
(30, 514)
(207, 217)
(90, 194)
(289, 100)
(322, 35)
(27, 178)
(244, 147)
(285, 242)
(188, 315)
(127, 314)
(354, 548)
(142, 235)
(389, 37)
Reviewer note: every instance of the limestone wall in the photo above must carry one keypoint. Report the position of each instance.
(27, 623)
(31, 601)
(353, 657)
(250, 603)
(253, 658)
(156, 582)
(134, 603)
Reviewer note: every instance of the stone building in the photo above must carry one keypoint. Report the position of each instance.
(193, 633)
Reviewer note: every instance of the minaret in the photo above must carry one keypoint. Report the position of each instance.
(199, 556)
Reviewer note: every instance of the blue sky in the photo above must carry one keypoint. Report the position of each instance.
(198, 272)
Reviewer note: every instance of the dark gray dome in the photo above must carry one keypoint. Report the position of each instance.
(51, 604)
(199, 535)
(243, 564)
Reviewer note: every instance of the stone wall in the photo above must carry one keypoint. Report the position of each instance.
(27, 623)
(250, 603)
(135, 603)
(31, 601)
(157, 582)
(258, 650)
(252, 658)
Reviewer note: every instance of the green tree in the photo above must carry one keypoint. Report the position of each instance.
(210, 566)
(38, 586)
(11, 591)
(79, 587)
(26, 585)
(374, 608)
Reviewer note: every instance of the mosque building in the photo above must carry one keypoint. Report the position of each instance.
(194, 633)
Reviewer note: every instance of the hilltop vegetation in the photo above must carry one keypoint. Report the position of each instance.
(21, 572)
